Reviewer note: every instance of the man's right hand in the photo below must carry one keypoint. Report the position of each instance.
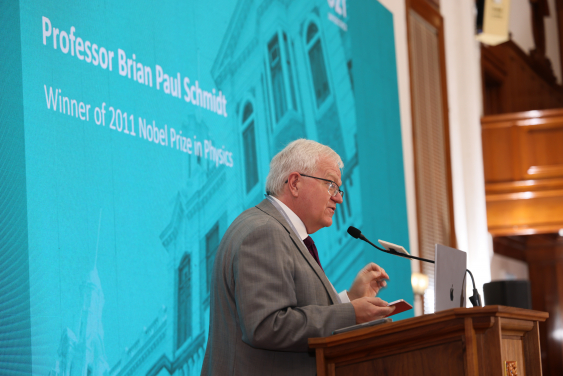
(369, 309)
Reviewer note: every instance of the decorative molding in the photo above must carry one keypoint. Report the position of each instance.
(142, 348)
(234, 30)
(524, 186)
(169, 234)
(231, 67)
(544, 171)
(523, 118)
(183, 356)
(513, 216)
(524, 195)
(202, 196)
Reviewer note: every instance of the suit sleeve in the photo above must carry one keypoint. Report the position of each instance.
(266, 300)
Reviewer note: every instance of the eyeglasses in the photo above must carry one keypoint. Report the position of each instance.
(333, 188)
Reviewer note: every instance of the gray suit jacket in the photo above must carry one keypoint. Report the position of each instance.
(268, 296)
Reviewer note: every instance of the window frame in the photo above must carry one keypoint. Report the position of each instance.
(244, 125)
(318, 110)
(289, 75)
(308, 47)
(182, 321)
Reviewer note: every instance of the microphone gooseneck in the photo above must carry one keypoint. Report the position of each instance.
(356, 233)
(476, 298)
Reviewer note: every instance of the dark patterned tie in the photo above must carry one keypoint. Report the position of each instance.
(310, 244)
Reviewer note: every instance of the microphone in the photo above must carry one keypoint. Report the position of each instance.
(356, 233)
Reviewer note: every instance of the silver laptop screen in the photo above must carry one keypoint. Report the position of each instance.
(449, 278)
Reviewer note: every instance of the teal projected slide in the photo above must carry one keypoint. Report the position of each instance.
(134, 132)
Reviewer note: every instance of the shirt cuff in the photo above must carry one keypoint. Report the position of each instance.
(344, 297)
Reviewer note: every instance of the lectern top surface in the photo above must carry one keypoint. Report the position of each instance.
(444, 318)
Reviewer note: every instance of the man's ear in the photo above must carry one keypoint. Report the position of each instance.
(293, 183)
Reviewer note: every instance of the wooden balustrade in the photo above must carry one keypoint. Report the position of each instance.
(523, 167)
(513, 81)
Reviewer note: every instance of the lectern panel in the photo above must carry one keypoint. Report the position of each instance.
(424, 361)
(479, 341)
(512, 350)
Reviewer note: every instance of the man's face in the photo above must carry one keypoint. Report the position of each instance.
(317, 206)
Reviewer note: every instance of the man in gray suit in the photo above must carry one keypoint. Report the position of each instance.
(269, 293)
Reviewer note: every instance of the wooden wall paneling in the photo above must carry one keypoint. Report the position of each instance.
(493, 74)
(533, 96)
(510, 93)
(501, 151)
(519, 88)
(497, 154)
(525, 186)
(537, 290)
(516, 154)
(532, 350)
(511, 246)
(522, 116)
(544, 255)
(524, 213)
(541, 148)
(494, 101)
(555, 326)
(545, 260)
(526, 85)
(523, 166)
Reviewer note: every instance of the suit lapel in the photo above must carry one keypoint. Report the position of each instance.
(268, 208)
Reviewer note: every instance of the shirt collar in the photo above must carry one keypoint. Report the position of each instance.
(295, 220)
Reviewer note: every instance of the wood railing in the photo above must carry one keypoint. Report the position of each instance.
(523, 167)
(513, 81)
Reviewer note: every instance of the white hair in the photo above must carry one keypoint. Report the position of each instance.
(298, 156)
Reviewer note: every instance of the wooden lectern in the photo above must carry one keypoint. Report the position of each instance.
(484, 341)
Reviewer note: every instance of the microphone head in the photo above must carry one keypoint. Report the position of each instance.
(354, 232)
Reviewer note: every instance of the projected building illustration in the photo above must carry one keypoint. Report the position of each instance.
(84, 353)
(286, 68)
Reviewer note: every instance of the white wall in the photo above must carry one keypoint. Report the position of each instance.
(503, 268)
(464, 96)
(520, 24)
(552, 40)
(520, 27)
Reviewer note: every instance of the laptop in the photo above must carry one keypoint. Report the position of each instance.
(449, 278)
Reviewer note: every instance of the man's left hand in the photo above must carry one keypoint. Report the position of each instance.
(368, 282)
